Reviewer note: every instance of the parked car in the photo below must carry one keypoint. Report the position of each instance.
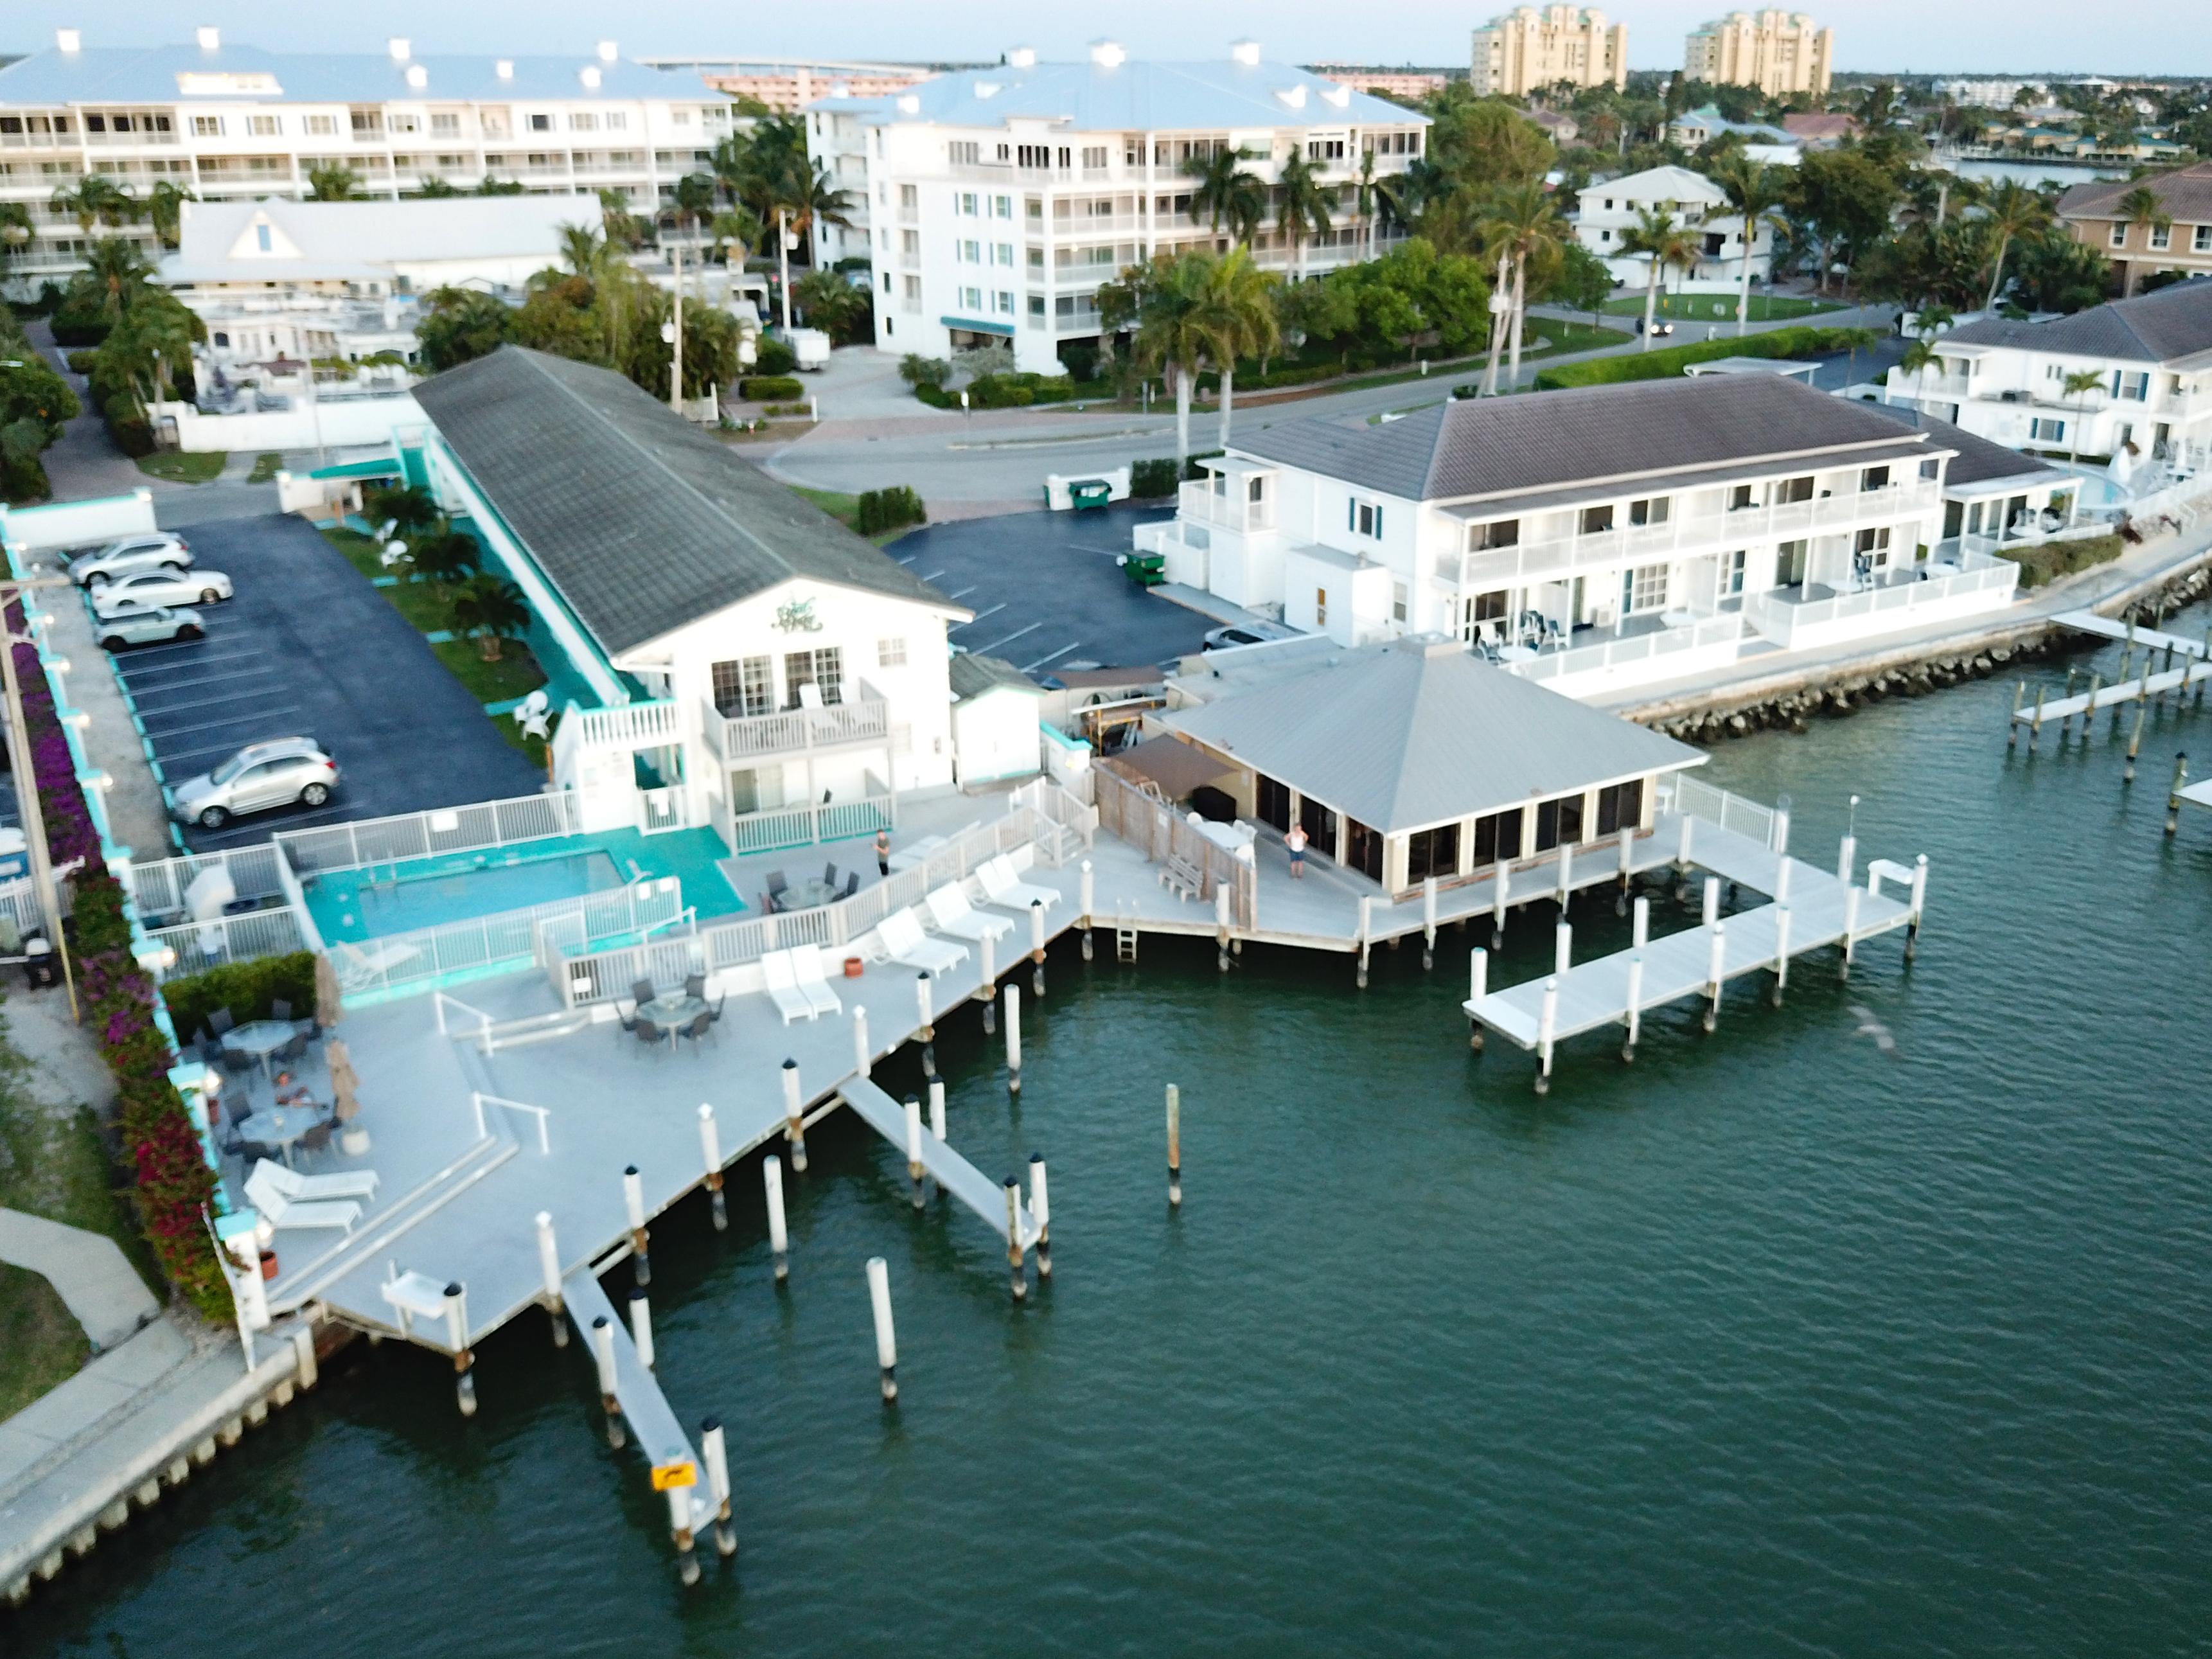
(157, 549)
(150, 589)
(278, 772)
(159, 626)
(1251, 633)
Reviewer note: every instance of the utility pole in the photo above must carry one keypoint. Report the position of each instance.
(676, 365)
(26, 783)
(783, 263)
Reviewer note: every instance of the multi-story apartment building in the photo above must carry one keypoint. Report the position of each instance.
(2140, 249)
(226, 122)
(1989, 94)
(1594, 538)
(1608, 211)
(1784, 54)
(787, 85)
(1531, 48)
(1407, 85)
(994, 201)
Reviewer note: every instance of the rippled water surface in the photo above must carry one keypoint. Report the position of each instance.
(1773, 1342)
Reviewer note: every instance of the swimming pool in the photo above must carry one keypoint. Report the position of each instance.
(2097, 489)
(360, 904)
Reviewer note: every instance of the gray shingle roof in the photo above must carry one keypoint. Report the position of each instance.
(1494, 445)
(2151, 328)
(972, 676)
(2185, 193)
(1419, 733)
(642, 521)
(1978, 459)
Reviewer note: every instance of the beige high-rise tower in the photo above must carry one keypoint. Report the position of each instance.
(1782, 53)
(1529, 48)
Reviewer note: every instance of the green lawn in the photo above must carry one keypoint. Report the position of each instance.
(178, 467)
(845, 509)
(516, 674)
(266, 469)
(1554, 338)
(1721, 308)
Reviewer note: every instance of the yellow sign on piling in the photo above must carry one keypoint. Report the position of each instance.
(667, 1476)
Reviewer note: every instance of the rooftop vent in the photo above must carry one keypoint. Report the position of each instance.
(589, 75)
(986, 89)
(1294, 96)
(909, 104)
(399, 49)
(504, 68)
(1339, 96)
(69, 41)
(1108, 54)
(607, 53)
(1022, 57)
(1245, 51)
(209, 40)
(418, 76)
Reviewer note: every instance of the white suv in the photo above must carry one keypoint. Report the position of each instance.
(276, 773)
(151, 551)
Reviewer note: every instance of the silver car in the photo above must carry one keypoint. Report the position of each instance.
(156, 549)
(160, 626)
(275, 772)
(147, 589)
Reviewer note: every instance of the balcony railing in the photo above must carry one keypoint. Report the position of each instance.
(1689, 532)
(1814, 621)
(737, 738)
(1665, 646)
(1207, 505)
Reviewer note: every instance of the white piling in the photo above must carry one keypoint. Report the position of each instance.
(716, 1454)
(1847, 857)
(1628, 866)
(1547, 1022)
(1563, 946)
(1566, 872)
(1174, 1147)
(634, 1203)
(1037, 946)
(1014, 1251)
(1013, 1039)
(710, 1154)
(457, 1338)
(1919, 903)
(640, 1326)
(1633, 1016)
(1682, 849)
(794, 1117)
(778, 1240)
(1640, 927)
(548, 1272)
(914, 1169)
(1712, 900)
(1040, 1207)
(679, 1528)
(1781, 951)
(1366, 901)
(1851, 927)
(1781, 837)
(879, 1299)
(1428, 922)
(937, 1108)
(1089, 894)
(986, 987)
(1477, 986)
(926, 1009)
(1781, 894)
(862, 1060)
(1221, 925)
(1501, 879)
(1716, 962)
(603, 1352)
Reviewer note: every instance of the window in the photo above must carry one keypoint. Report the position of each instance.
(1321, 607)
(1093, 157)
(2043, 431)
(2200, 240)
(1364, 518)
(1595, 520)
(1731, 577)
(964, 153)
(494, 123)
(1272, 798)
(971, 298)
(1619, 806)
(824, 668)
(966, 203)
(616, 120)
(1037, 259)
(203, 126)
(909, 197)
(1362, 849)
(971, 253)
(1002, 253)
(1870, 547)
(1399, 599)
(319, 127)
(910, 295)
(541, 123)
(1037, 310)
(1643, 588)
(2120, 233)
(1498, 837)
(406, 123)
(1002, 206)
(261, 239)
(1505, 533)
(743, 686)
(2135, 387)
(2161, 236)
(1432, 853)
(1033, 155)
(447, 125)
(1002, 303)
(263, 126)
(1653, 511)
(1874, 477)
(890, 654)
(911, 245)
(1558, 822)
(1930, 471)
(1795, 490)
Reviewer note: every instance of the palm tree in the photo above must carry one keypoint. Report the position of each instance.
(1522, 221)
(1174, 336)
(1237, 307)
(733, 228)
(432, 188)
(1920, 355)
(816, 204)
(1227, 194)
(1501, 296)
(443, 555)
(1854, 340)
(2012, 211)
(165, 209)
(490, 609)
(2140, 206)
(97, 199)
(1664, 243)
(693, 201)
(15, 231)
(334, 183)
(118, 270)
(1367, 199)
(1755, 191)
(1302, 205)
(2079, 385)
(584, 249)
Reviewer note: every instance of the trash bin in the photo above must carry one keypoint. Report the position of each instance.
(39, 966)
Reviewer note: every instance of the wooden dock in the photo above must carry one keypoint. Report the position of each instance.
(955, 1174)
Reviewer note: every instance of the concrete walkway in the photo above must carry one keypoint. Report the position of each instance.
(87, 1270)
(137, 815)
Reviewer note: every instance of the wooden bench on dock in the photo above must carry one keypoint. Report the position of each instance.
(1182, 878)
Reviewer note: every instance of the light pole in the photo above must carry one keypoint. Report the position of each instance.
(675, 333)
(26, 783)
(783, 240)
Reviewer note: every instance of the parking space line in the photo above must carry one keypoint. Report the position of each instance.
(244, 833)
(135, 662)
(1056, 656)
(208, 703)
(962, 594)
(978, 650)
(215, 725)
(979, 617)
(932, 575)
(145, 692)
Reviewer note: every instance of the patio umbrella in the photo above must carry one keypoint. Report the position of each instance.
(344, 1082)
(330, 1000)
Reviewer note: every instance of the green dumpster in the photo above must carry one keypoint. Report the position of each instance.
(1086, 493)
(1146, 569)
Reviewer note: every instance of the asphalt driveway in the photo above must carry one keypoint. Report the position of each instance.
(309, 648)
(1047, 592)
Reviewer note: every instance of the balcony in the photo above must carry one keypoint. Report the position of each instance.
(741, 739)
(1972, 582)
(1199, 502)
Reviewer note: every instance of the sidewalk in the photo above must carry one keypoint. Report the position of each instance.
(137, 815)
(87, 1270)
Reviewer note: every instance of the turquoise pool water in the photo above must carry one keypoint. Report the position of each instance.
(362, 904)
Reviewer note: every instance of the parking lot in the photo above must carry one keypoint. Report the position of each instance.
(309, 648)
(1047, 592)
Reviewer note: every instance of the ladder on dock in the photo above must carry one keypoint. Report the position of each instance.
(954, 1173)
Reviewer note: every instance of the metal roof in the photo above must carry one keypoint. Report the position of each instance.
(1588, 435)
(1419, 733)
(642, 522)
(312, 238)
(2160, 327)
(1132, 97)
(150, 75)
(972, 676)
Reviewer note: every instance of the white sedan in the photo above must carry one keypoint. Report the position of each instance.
(146, 588)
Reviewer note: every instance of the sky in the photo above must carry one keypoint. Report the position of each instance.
(2111, 37)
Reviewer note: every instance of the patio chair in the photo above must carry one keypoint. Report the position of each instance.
(813, 984)
(949, 907)
(777, 887)
(701, 1026)
(782, 976)
(242, 1065)
(694, 985)
(354, 1183)
(295, 1046)
(282, 1212)
(641, 991)
(1003, 886)
(281, 1011)
(220, 1022)
(905, 943)
(852, 885)
(829, 875)
(317, 1140)
(648, 1034)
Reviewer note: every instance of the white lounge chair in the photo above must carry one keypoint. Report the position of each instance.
(1004, 886)
(906, 944)
(283, 1212)
(813, 985)
(357, 1183)
(782, 976)
(956, 916)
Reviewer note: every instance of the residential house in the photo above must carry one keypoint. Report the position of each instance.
(2152, 357)
(1821, 128)
(1761, 142)
(1531, 48)
(994, 201)
(2093, 213)
(1784, 54)
(1609, 211)
(729, 655)
(1995, 498)
(996, 719)
(1593, 539)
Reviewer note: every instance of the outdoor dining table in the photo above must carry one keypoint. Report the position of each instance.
(259, 1038)
(671, 1012)
(1517, 653)
(279, 1127)
(805, 895)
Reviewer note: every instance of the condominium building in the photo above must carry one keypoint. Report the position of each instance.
(1988, 93)
(1607, 212)
(994, 201)
(787, 85)
(2179, 239)
(229, 122)
(1531, 48)
(1784, 54)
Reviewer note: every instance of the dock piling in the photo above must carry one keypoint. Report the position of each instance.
(679, 1528)
(1037, 947)
(603, 1352)
(1712, 913)
(2066, 720)
(863, 1061)
(1040, 1207)
(986, 988)
(1781, 951)
(1919, 903)
(928, 1032)
(549, 1268)
(1478, 978)
(713, 1449)
(641, 1325)
(1715, 963)
(1014, 1237)
(1567, 868)
(913, 1168)
(1851, 927)
(2173, 795)
(1781, 894)
(1847, 857)
(1499, 883)
(1547, 1024)
(1563, 946)
(1633, 1016)
(879, 1301)
(1628, 868)
(778, 1240)
(1088, 894)
(1428, 923)
(1174, 1147)
(457, 1336)
(794, 1117)
(937, 1108)
(2134, 743)
(2035, 724)
(1682, 848)
(634, 1200)
(1013, 1039)
(1221, 927)
(2012, 720)
(1366, 901)
(710, 1153)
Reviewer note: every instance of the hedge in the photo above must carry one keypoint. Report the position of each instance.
(1003, 391)
(770, 388)
(248, 989)
(2046, 562)
(1671, 361)
(1151, 481)
(892, 508)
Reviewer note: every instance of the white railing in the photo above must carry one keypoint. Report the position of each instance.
(509, 939)
(19, 903)
(1684, 534)
(625, 726)
(1686, 796)
(1789, 625)
(1066, 822)
(660, 810)
(1199, 499)
(430, 834)
(1711, 632)
(751, 737)
(200, 945)
(158, 889)
(778, 827)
